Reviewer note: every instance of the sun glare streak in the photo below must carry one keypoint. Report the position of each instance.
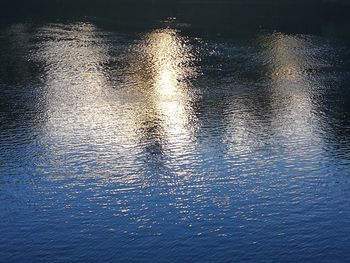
(290, 92)
(85, 108)
(169, 59)
(80, 120)
(291, 83)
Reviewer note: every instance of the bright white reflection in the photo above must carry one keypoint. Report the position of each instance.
(111, 129)
(108, 126)
(292, 87)
(170, 60)
(85, 132)
(291, 96)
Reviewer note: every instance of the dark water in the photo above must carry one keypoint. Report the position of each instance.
(189, 133)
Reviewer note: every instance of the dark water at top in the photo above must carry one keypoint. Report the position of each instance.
(187, 133)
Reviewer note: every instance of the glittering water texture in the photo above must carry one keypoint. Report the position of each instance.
(166, 142)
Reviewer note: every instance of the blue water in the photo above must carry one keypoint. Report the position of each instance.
(176, 136)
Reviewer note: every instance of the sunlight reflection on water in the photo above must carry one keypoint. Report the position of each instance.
(160, 140)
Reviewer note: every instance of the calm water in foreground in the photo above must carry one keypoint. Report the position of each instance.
(175, 134)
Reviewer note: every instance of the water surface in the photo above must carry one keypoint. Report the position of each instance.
(211, 133)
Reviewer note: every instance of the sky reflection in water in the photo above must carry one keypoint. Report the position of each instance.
(162, 144)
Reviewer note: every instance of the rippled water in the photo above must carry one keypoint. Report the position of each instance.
(174, 138)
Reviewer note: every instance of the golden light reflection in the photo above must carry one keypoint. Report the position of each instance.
(83, 129)
(113, 126)
(291, 84)
(290, 92)
(108, 123)
(170, 58)
(167, 58)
